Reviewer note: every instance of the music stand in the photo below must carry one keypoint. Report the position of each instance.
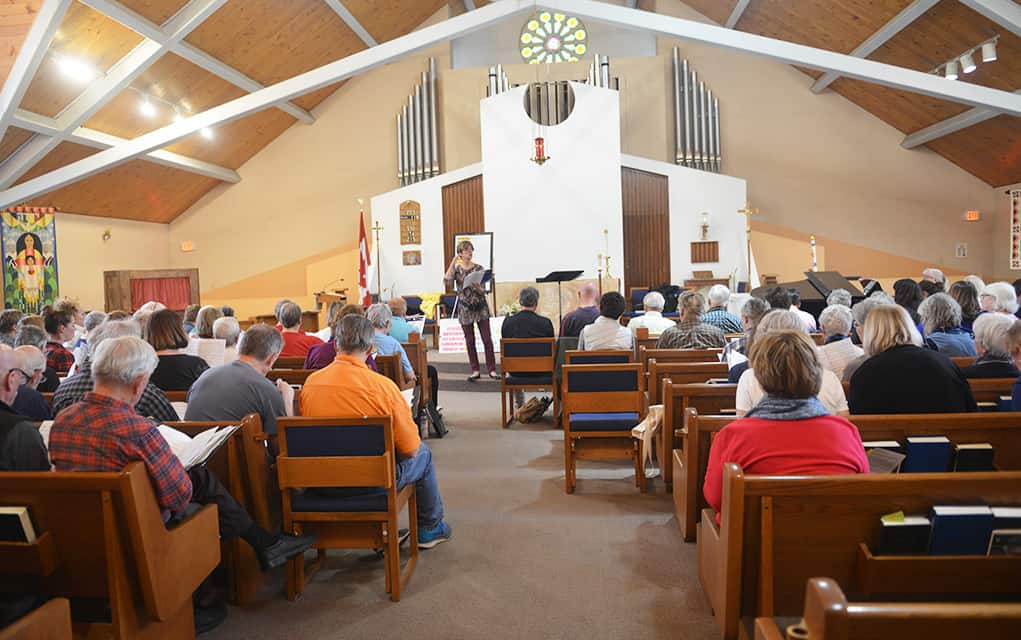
(559, 277)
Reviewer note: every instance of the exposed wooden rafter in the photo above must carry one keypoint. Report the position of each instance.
(735, 15)
(116, 11)
(937, 130)
(908, 15)
(351, 21)
(1006, 13)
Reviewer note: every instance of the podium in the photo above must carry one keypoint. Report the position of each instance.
(324, 298)
(560, 277)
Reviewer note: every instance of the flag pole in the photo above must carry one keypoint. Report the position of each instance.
(378, 228)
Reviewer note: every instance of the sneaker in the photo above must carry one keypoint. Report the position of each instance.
(436, 420)
(402, 537)
(286, 547)
(427, 539)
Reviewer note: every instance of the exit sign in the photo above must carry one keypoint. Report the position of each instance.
(971, 216)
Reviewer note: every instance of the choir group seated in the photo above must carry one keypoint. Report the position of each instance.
(87, 392)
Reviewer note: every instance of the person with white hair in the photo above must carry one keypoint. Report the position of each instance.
(935, 276)
(691, 332)
(379, 315)
(837, 349)
(749, 389)
(153, 403)
(103, 432)
(717, 315)
(652, 319)
(991, 345)
(228, 329)
(21, 446)
(941, 322)
(976, 282)
(998, 297)
(142, 315)
(839, 296)
(29, 401)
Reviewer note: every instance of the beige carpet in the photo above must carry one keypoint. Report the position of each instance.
(526, 560)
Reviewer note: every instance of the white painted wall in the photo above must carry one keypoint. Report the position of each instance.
(691, 192)
(551, 217)
(398, 279)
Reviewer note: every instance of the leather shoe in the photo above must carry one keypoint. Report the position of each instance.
(286, 547)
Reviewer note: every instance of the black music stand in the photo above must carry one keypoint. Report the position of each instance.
(559, 277)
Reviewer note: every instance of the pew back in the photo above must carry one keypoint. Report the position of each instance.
(290, 362)
(290, 376)
(676, 398)
(680, 373)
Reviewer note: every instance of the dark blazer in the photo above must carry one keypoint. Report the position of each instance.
(909, 379)
(988, 368)
(527, 324)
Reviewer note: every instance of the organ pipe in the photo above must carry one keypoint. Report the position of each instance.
(697, 141)
(418, 155)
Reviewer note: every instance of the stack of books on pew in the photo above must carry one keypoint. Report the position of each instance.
(953, 530)
(928, 454)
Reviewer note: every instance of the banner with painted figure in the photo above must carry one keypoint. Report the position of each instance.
(29, 240)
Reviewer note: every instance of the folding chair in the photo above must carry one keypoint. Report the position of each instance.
(353, 458)
(525, 355)
(601, 403)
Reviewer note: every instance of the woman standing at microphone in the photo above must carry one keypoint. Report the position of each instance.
(472, 307)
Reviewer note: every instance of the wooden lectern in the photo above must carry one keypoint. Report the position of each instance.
(324, 298)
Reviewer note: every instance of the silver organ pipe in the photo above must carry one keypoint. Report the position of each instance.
(418, 150)
(697, 141)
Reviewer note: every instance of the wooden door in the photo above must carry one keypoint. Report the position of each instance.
(646, 207)
(463, 212)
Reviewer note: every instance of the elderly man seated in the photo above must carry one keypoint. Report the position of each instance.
(228, 329)
(30, 402)
(102, 432)
(152, 403)
(380, 315)
(347, 388)
(837, 349)
(691, 332)
(718, 316)
(237, 389)
(652, 319)
(993, 360)
(21, 446)
(29, 334)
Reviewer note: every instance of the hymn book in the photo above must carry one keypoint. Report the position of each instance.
(15, 525)
(195, 451)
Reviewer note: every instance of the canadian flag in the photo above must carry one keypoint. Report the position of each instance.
(364, 263)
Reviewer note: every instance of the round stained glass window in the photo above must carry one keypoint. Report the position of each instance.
(552, 37)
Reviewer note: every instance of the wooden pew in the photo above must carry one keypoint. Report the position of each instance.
(1002, 430)
(818, 338)
(290, 376)
(963, 361)
(679, 373)
(779, 531)
(243, 466)
(391, 367)
(707, 399)
(643, 339)
(984, 390)
(51, 621)
(664, 356)
(101, 536)
(829, 616)
(416, 349)
(290, 362)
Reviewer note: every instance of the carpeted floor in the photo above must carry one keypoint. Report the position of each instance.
(526, 560)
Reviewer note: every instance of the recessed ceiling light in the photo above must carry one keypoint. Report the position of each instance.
(177, 116)
(206, 133)
(951, 70)
(967, 63)
(76, 69)
(147, 108)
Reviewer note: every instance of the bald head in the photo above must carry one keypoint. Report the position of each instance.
(588, 295)
(33, 363)
(11, 377)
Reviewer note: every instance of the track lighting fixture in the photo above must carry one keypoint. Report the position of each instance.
(965, 62)
(968, 63)
(950, 71)
(989, 51)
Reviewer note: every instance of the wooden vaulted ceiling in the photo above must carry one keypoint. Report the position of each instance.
(990, 150)
(270, 40)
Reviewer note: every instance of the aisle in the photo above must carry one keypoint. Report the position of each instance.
(526, 560)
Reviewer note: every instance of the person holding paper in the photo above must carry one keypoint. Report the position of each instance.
(103, 433)
(472, 306)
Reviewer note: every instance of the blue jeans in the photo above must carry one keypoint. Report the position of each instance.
(420, 470)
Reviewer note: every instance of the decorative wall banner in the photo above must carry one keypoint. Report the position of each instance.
(30, 259)
(1015, 230)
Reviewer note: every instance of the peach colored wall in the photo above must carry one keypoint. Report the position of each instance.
(83, 255)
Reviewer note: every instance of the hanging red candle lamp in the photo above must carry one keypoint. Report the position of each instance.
(540, 151)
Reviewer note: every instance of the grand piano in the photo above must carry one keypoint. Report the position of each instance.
(815, 288)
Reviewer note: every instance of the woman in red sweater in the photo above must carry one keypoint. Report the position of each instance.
(789, 432)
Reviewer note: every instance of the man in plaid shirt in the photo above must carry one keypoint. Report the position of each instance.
(103, 433)
(691, 332)
(60, 329)
(718, 315)
(152, 404)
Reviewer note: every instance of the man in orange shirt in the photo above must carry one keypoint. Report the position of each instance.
(296, 342)
(348, 388)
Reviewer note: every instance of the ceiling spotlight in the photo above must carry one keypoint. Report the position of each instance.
(147, 108)
(76, 69)
(951, 70)
(177, 116)
(989, 52)
(967, 63)
(206, 133)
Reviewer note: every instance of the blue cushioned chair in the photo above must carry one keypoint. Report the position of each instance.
(338, 479)
(599, 356)
(431, 326)
(636, 297)
(601, 403)
(535, 356)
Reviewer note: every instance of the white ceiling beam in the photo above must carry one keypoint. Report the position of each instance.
(796, 54)
(101, 91)
(29, 57)
(898, 23)
(309, 81)
(1005, 13)
(469, 5)
(118, 12)
(45, 126)
(736, 14)
(969, 118)
(352, 22)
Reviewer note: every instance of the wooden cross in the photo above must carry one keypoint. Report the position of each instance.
(748, 212)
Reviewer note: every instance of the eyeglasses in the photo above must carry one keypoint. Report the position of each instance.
(22, 372)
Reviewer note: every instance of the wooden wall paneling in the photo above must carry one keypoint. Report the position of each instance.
(16, 17)
(835, 26)
(646, 205)
(13, 139)
(62, 154)
(156, 11)
(991, 150)
(463, 212)
(716, 10)
(270, 40)
(85, 34)
(391, 18)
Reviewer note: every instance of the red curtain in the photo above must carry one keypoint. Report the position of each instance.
(173, 292)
